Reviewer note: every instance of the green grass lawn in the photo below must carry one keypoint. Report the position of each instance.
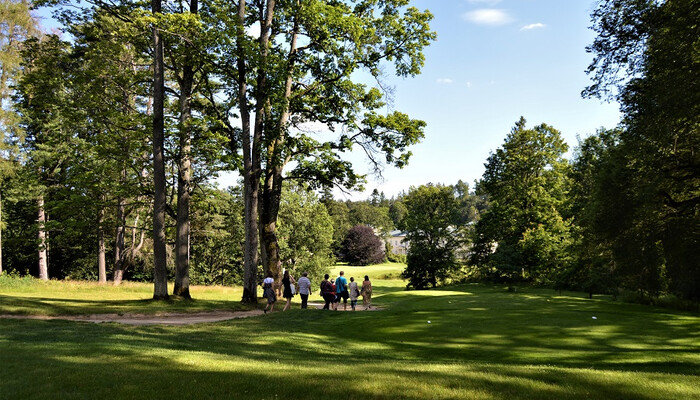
(482, 342)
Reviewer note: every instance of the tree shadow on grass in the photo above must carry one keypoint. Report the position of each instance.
(478, 344)
(219, 361)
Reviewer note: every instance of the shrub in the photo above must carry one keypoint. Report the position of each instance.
(362, 246)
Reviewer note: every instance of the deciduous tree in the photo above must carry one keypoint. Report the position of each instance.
(656, 43)
(362, 246)
(525, 181)
(433, 233)
(301, 68)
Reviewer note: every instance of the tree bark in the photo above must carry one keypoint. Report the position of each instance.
(0, 233)
(160, 284)
(251, 180)
(272, 191)
(184, 184)
(119, 241)
(101, 258)
(43, 259)
(272, 194)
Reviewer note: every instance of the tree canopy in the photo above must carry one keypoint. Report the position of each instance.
(434, 235)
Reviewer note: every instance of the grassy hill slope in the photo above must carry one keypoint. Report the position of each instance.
(482, 342)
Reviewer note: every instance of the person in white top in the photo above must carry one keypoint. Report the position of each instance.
(304, 289)
(268, 285)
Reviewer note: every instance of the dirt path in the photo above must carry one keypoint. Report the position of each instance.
(143, 319)
(164, 318)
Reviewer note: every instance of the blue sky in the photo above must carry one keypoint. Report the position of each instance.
(493, 62)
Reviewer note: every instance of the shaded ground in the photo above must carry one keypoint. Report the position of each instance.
(164, 318)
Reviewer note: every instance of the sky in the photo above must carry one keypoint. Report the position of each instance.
(493, 62)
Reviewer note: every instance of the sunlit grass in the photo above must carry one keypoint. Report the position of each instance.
(36, 297)
(482, 342)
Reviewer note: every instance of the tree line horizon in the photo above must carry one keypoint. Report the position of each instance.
(117, 132)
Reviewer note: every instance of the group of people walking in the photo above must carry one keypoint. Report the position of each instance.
(333, 291)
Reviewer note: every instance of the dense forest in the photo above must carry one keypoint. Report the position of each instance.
(114, 133)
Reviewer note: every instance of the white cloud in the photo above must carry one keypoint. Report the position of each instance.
(445, 81)
(469, 84)
(489, 2)
(533, 26)
(488, 16)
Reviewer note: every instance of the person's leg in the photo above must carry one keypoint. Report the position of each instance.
(352, 304)
(286, 306)
(304, 300)
(327, 305)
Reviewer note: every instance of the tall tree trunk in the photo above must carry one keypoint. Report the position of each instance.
(119, 241)
(101, 258)
(184, 184)
(251, 181)
(0, 233)
(261, 100)
(272, 191)
(160, 284)
(43, 259)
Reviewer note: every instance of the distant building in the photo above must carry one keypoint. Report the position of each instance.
(397, 241)
(399, 245)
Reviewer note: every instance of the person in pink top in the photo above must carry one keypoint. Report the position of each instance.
(367, 293)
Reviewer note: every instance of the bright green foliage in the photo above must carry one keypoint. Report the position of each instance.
(334, 41)
(216, 237)
(376, 216)
(81, 106)
(299, 75)
(433, 233)
(305, 233)
(16, 26)
(397, 212)
(470, 205)
(340, 216)
(523, 235)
